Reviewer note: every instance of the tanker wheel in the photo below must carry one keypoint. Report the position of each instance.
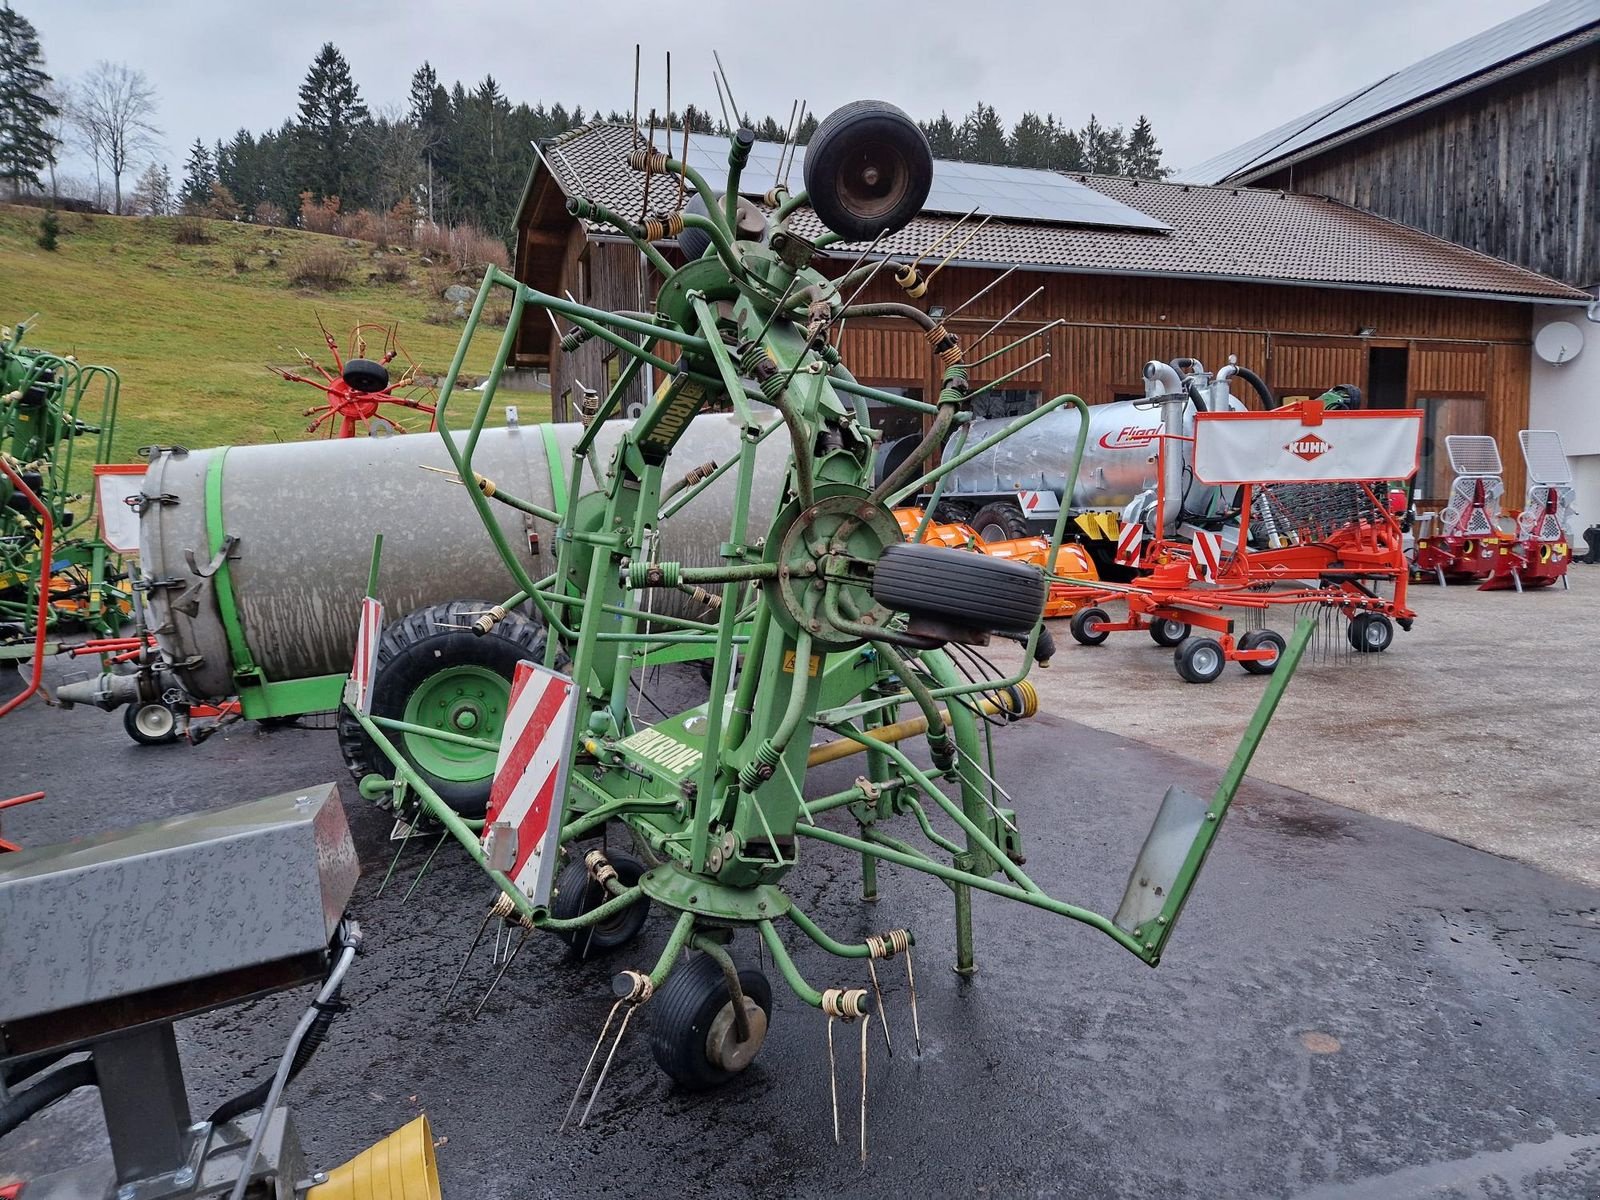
(577, 893)
(1000, 522)
(1167, 632)
(1199, 660)
(1370, 632)
(1258, 639)
(433, 671)
(1088, 626)
(952, 512)
(693, 1034)
(150, 723)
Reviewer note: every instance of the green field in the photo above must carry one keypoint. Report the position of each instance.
(191, 327)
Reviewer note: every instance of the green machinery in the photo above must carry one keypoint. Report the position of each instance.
(827, 622)
(49, 405)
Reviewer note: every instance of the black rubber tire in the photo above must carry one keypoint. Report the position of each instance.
(278, 722)
(968, 589)
(364, 375)
(682, 1012)
(130, 724)
(1370, 633)
(577, 893)
(841, 148)
(1199, 660)
(1254, 640)
(1166, 632)
(952, 512)
(693, 243)
(409, 652)
(1000, 522)
(1088, 626)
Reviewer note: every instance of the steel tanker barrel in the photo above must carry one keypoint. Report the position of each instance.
(295, 523)
(1119, 458)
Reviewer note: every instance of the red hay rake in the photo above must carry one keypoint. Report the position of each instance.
(358, 387)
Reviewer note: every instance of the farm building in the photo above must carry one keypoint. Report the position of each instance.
(1493, 143)
(1307, 292)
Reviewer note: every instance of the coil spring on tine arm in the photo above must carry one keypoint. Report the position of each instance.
(599, 867)
(944, 344)
(644, 159)
(487, 622)
(657, 227)
(887, 945)
(649, 574)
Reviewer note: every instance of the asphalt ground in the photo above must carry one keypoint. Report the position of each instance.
(1351, 1008)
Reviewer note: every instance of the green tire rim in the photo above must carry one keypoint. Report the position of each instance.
(463, 699)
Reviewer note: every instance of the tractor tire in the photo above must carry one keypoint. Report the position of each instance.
(1088, 626)
(691, 1009)
(1199, 660)
(433, 670)
(967, 589)
(1000, 522)
(577, 893)
(1255, 640)
(150, 723)
(952, 512)
(1370, 633)
(868, 169)
(1167, 632)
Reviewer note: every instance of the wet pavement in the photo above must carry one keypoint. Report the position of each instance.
(1351, 1009)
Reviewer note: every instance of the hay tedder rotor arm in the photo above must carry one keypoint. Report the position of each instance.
(824, 619)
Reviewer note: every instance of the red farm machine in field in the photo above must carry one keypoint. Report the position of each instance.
(358, 387)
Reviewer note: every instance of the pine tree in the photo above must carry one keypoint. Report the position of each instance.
(983, 136)
(26, 145)
(198, 174)
(1144, 154)
(330, 113)
(943, 136)
(1103, 149)
(1033, 141)
(430, 113)
(1068, 152)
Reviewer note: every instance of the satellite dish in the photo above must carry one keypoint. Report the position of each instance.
(1558, 342)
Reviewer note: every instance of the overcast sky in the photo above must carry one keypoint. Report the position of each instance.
(1209, 75)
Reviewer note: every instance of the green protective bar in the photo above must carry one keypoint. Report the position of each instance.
(612, 402)
(676, 941)
(719, 239)
(882, 397)
(980, 882)
(597, 211)
(598, 816)
(244, 663)
(820, 936)
(438, 735)
(791, 973)
(724, 361)
(1153, 941)
(791, 202)
(372, 569)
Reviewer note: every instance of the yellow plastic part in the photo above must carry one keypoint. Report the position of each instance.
(401, 1167)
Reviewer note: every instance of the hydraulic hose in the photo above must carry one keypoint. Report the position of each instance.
(35, 1099)
(1268, 400)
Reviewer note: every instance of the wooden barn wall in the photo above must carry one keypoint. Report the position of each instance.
(605, 275)
(1512, 170)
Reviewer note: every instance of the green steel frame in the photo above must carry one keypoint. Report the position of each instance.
(715, 796)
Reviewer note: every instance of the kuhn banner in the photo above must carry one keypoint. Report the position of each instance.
(1299, 446)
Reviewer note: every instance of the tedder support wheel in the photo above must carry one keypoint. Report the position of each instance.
(1258, 639)
(1370, 632)
(1167, 632)
(1000, 522)
(958, 586)
(434, 671)
(1199, 660)
(693, 1033)
(577, 893)
(1088, 627)
(150, 722)
(868, 170)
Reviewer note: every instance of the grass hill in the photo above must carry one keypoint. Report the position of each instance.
(190, 327)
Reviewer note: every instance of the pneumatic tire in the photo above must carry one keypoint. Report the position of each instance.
(1257, 639)
(577, 893)
(868, 170)
(433, 670)
(959, 586)
(1000, 522)
(684, 1017)
(1199, 660)
(1088, 626)
(1166, 632)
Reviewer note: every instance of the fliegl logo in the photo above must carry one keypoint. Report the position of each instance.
(1308, 447)
(1130, 437)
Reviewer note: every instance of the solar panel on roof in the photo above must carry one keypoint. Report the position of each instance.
(1013, 193)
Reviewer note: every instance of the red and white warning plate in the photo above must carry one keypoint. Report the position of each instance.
(1128, 543)
(1205, 561)
(530, 779)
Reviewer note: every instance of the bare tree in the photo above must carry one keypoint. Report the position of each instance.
(115, 104)
(55, 129)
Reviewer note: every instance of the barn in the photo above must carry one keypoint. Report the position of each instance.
(1493, 143)
(1308, 292)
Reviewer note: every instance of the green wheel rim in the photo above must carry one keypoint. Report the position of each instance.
(465, 699)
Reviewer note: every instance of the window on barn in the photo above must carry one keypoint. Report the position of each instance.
(1442, 417)
(894, 421)
(1007, 402)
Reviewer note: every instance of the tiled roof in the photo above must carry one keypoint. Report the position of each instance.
(1535, 36)
(1216, 233)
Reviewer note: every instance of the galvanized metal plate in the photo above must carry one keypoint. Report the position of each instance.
(173, 900)
(1165, 849)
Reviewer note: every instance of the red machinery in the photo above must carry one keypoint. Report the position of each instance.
(1309, 529)
(1539, 551)
(358, 387)
(1461, 542)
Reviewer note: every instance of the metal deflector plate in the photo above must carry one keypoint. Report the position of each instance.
(1165, 850)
